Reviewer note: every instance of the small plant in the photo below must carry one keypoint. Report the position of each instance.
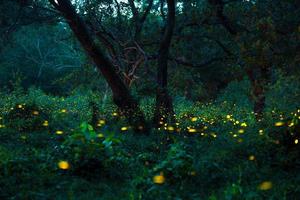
(88, 144)
(90, 152)
(178, 164)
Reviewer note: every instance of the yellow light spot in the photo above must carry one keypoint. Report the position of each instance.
(170, 128)
(252, 157)
(20, 106)
(159, 179)
(59, 132)
(291, 124)
(35, 112)
(241, 131)
(244, 124)
(100, 135)
(124, 128)
(235, 135)
(63, 165)
(296, 141)
(261, 132)
(193, 119)
(46, 123)
(279, 124)
(213, 135)
(101, 121)
(228, 116)
(115, 114)
(63, 110)
(192, 130)
(266, 185)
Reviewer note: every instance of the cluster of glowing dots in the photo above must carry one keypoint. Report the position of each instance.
(45, 123)
(230, 118)
(101, 122)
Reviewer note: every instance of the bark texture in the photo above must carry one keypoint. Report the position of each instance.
(127, 105)
(164, 106)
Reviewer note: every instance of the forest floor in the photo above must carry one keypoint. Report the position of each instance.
(210, 154)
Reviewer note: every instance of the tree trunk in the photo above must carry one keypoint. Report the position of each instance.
(164, 111)
(139, 18)
(259, 78)
(121, 94)
(95, 113)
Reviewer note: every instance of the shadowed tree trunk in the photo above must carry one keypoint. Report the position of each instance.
(121, 94)
(258, 69)
(139, 19)
(259, 78)
(95, 113)
(164, 106)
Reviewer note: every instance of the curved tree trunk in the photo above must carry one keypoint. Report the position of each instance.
(121, 94)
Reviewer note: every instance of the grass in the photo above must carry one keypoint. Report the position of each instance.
(216, 151)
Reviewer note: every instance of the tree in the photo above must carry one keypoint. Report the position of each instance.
(164, 105)
(121, 95)
(15, 14)
(261, 38)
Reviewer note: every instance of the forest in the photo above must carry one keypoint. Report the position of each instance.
(150, 99)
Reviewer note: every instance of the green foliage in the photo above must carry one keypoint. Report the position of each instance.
(25, 117)
(55, 107)
(177, 166)
(283, 95)
(216, 161)
(87, 144)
